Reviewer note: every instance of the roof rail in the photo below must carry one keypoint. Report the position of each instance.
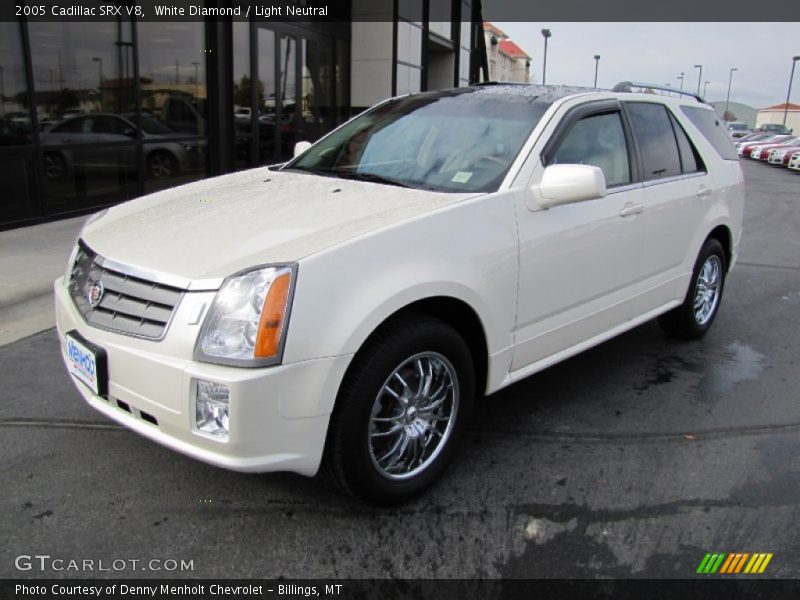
(625, 87)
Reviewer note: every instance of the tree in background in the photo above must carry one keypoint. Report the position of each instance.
(729, 116)
(242, 92)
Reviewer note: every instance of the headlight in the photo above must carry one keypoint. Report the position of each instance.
(247, 321)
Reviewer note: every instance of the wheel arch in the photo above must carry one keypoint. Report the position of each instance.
(457, 313)
(723, 234)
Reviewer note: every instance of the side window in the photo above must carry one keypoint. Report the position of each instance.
(708, 122)
(690, 159)
(657, 144)
(597, 140)
(70, 126)
(112, 125)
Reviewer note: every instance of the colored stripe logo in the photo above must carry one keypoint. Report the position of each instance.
(734, 563)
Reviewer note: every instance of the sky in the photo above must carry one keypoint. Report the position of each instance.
(659, 52)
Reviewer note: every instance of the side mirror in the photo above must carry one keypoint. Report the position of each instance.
(129, 132)
(301, 147)
(565, 184)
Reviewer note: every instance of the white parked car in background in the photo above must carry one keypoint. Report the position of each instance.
(794, 162)
(346, 308)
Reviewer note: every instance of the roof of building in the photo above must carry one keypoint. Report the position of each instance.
(494, 30)
(781, 107)
(509, 48)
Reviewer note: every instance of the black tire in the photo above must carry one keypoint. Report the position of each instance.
(162, 165)
(685, 322)
(351, 459)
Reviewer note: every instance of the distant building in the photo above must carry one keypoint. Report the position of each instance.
(740, 112)
(774, 114)
(507, 61)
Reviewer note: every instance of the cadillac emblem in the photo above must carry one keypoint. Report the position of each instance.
(95, 293)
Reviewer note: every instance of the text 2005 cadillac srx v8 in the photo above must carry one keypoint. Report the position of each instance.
(344, 309)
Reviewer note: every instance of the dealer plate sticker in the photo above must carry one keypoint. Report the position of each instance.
(82, 363)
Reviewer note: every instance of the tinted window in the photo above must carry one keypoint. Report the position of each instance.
(657, 144)
(709, 124)
(72, 126)
(597, 140)
(690, 160)
(109, 125)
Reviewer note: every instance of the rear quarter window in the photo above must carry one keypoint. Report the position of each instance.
(710, 125)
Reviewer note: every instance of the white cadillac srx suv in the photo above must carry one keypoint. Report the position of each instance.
(343, 310)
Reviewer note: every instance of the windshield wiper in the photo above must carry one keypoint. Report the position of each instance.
(371, 177)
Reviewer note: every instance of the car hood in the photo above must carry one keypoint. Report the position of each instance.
(213, 228)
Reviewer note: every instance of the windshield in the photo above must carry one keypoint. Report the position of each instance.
(455, 141)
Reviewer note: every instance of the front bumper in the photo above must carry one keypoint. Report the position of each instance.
(147, 379)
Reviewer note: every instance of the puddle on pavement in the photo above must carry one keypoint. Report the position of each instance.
(719, 372)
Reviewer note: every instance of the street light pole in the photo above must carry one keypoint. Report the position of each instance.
(728, 97)
(699, 77)
(789, 92)
(546, 34)
(196, 83)
(681, 78)
(99, 62)
(596, 67)
(705, 88)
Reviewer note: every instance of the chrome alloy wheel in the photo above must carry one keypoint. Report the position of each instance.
(413, 416)
(707, 293)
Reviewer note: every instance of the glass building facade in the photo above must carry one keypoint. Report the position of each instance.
(92, 114)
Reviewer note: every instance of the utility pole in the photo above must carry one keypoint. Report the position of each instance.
(728, 97)
(596, 67)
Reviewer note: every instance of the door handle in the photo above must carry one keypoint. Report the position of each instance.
(703, 192)
(631, 209)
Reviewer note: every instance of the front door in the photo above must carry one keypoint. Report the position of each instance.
(578, 262)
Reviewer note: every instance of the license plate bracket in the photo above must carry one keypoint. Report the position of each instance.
(87, 362)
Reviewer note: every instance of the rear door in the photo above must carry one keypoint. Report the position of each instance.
(677, 194)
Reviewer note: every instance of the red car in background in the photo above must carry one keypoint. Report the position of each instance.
(747, 149)
(762, 152)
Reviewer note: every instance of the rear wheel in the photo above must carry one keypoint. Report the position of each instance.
(162, 165)
(693, 318)
(55, 167)
(401, 411)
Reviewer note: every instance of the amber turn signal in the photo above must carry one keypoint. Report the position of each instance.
(272, 316)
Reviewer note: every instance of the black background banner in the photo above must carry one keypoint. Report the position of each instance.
(382, 10)
(700, 588)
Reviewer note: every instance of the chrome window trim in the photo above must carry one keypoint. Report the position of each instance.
(624, 188)
(671, 178)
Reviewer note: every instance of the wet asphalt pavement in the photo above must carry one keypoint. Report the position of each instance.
(632, 460)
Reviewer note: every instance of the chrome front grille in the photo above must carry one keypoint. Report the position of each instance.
(113, 300)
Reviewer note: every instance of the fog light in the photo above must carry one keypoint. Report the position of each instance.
(211, 408)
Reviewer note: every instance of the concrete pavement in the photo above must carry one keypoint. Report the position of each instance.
(30, 259)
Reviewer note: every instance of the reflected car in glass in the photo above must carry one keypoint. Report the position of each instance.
(342, 311)
(164, 157)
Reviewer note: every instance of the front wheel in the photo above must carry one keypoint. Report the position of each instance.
(401, 411)
(693, 318)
